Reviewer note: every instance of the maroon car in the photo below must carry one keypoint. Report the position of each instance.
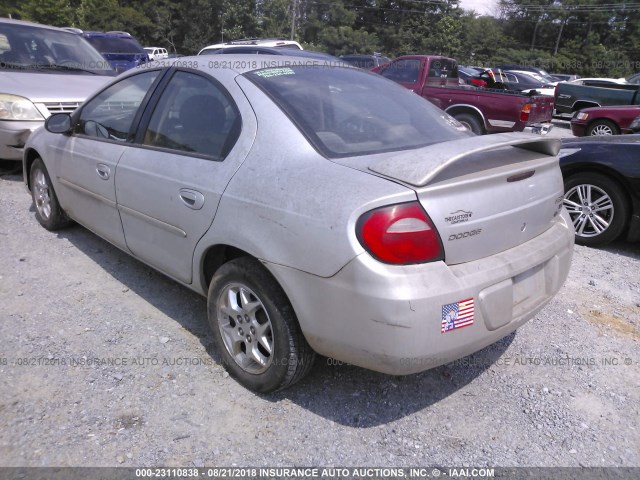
(605, 120)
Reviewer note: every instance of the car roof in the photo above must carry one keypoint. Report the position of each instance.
(32, 24)
(253, 42)
(238, 64)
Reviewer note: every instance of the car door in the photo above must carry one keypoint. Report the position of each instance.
(87, 168)
(169, 187)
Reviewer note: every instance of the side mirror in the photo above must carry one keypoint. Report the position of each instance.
(635, 125)
(58, 123)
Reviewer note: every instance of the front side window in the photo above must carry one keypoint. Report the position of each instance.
(110, 114)
(194, 115)
(347, 112)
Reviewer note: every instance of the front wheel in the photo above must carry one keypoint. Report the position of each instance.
(603, 127)
(48, 211)
(597, 206)
(255, 328)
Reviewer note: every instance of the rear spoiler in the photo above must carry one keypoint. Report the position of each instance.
(419, 167)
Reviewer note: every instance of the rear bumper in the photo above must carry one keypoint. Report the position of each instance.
(539, 128)
(390, 319)
(13, 135)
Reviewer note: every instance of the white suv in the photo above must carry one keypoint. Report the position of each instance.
(156, 53)
(262, 42)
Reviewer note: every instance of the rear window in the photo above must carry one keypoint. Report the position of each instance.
(347, 112)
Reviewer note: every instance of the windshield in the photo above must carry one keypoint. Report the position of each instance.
(347, 112)
(116, 44)
(31, 48)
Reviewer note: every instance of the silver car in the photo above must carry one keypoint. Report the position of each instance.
(43, 70)
(319, 208)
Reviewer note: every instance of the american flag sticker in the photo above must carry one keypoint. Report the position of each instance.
(457, 315)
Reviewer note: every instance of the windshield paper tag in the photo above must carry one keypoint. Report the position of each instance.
(275, 72)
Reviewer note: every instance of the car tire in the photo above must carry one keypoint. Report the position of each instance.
(48, 211)
(255, 329)
(471, 122)
(597, 206)
(602, 127)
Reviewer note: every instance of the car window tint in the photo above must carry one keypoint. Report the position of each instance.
(346, 111)
(111, 113)
(194, 115)
(403, 71)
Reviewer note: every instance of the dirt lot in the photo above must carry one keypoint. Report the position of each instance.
(105, 362)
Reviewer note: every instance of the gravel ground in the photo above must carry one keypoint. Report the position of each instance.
(105, 362)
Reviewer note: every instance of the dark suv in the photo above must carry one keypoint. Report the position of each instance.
(365, 61)
(120, 49)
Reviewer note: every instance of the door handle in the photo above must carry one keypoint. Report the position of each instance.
(104, 172)
(192, 198)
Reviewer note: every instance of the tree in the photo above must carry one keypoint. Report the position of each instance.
(49, 12)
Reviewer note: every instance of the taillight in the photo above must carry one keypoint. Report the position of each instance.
(480, 83)
(400, 234)
(524, 113)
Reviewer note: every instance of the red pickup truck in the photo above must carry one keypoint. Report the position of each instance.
(481, 110)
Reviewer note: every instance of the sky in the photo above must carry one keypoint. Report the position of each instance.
(480, 6)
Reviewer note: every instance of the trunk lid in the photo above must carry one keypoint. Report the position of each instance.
(484, 194)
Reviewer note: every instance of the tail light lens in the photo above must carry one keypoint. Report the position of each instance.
(524, 113)
(480, 83)
(400, 234)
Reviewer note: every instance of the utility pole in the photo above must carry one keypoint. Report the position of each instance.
(293, 18)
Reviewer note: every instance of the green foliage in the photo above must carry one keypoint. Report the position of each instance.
(585, 37)
(51, 12)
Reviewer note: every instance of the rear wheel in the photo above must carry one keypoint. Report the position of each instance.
(471, 122)
(597, 206)
(48, 211)
(255, 328)
(603, 127)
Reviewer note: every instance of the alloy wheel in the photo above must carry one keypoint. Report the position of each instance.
(245, 328)
(591, 209)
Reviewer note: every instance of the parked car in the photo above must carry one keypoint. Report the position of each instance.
(256, 42)
(365, 61)
(564, 77)
(477, 77)
(598, 81)
(480, 110)
(602, 187)
(571, 97)
(121, 49)
(257, 50)
(634, 79)
(156, 53)
(525, 68)
(614, 120)
(318, 208)
(44, 70)
(525, 82)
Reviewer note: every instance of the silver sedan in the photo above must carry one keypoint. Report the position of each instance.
(318, 207)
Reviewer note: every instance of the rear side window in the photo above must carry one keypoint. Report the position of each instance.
(347, 111)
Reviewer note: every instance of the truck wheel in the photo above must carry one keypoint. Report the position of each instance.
(597, 206)
(603, 127)
(255, 329)
(471, 122)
